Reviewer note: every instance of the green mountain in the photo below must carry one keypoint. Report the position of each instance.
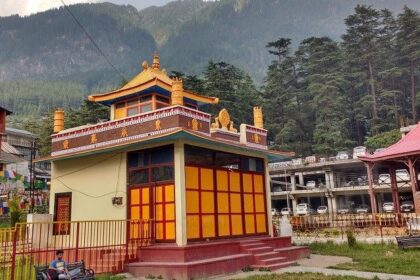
(51, 47)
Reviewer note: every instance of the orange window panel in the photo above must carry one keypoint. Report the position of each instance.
(259, 203)
(261, 225)
(237, 228)
(135, 213)
(222, 203)
(159, 230)
(159, 194)
(223, 225)
(191, 177)
(145, 195)
(170, 193)
(193, 226)
(170, 231)
(145, 213)
(207, 202)
(134, 230)
(207, 179)
(235, 203)
(135, 197)
(249, 224)
(247, 182)
(208, 226)
(192, 202)
(159, 212)
(170, 211)
(249, 203)
(222, 180)
(120, 113)
(258, 184)
(235, 182)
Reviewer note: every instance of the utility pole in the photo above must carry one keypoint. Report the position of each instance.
(32, 176)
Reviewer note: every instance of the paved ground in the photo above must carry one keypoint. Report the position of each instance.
(315, 264)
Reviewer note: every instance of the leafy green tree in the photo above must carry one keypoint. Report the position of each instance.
(321, 59)
(383, 140)
(408, 42)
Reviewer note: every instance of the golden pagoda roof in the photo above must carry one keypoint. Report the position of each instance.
(149, 77)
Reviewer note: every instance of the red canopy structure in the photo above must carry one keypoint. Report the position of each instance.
(407, 152)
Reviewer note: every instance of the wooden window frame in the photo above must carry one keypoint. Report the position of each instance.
(153, 102)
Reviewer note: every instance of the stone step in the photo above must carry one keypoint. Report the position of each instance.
(265, 256)
(253, 245)
(273, 267)
(259, 250)
(293, 252)
(271, 261)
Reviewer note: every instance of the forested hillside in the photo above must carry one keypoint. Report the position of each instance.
(329, 74)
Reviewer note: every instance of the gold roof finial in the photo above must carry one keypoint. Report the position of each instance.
(156, 61)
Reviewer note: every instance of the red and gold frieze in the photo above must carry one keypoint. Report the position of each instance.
(255, 137)
(138, 127)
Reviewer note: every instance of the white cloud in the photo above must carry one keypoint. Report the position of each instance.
(27, 7)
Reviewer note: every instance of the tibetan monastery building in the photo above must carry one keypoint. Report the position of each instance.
(161, 158)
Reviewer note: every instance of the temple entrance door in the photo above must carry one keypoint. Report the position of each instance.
(155, 203)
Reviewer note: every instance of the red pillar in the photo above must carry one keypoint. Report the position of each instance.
(394, 190)
(369, 167)
(413, 181)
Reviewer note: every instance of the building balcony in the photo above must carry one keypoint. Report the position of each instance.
(152, 125)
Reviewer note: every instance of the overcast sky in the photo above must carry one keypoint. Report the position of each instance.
(27, 7)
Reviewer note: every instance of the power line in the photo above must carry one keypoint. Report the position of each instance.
(92, 40)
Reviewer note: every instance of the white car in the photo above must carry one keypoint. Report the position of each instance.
(344, 210)
(274, 211)
(322, 210)
(388, 207)
(362, 209)
(342, 155)
(407, 206)
(359, 151)
(402, 175)
(304, 209)
(384, 179)
(286, 212)
(311, 185)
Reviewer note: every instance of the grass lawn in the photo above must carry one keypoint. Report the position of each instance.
(301, 276)
(385, 258)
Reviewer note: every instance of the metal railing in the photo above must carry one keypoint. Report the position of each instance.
(378, 227)
(104, 246)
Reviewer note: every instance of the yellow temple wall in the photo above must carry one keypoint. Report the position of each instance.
(93, 181)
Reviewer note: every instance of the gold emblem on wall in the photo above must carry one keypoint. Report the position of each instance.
(66, 144)
(194, 124)
(223, 121)
(124, 132)
(93, 139)
(257, 138)
(158, 125)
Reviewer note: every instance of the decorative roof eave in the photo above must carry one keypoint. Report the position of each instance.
(116, 94)
(8, 112)
(173, 135)
(200, 98)
(402, 156)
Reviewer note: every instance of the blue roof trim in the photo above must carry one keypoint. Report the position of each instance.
(153, 89)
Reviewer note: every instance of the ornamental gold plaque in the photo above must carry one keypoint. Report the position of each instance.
(158, 125)
(66, 144)
(93, 139)
(124, 132)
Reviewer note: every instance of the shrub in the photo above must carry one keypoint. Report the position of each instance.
(351, 240)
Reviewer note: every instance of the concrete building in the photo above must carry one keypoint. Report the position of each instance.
(337, 184)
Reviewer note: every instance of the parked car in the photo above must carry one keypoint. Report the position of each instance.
(304, 209)
(322, 210)
(342, 155)
(402, 175)
(286, 211)
(388, 207)
(407, 206)
(378, 150)
(274, 212)
(384, 179)
(362, 209)
(344, 210)
(311, 185)
(359, 151)
(311, 159)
